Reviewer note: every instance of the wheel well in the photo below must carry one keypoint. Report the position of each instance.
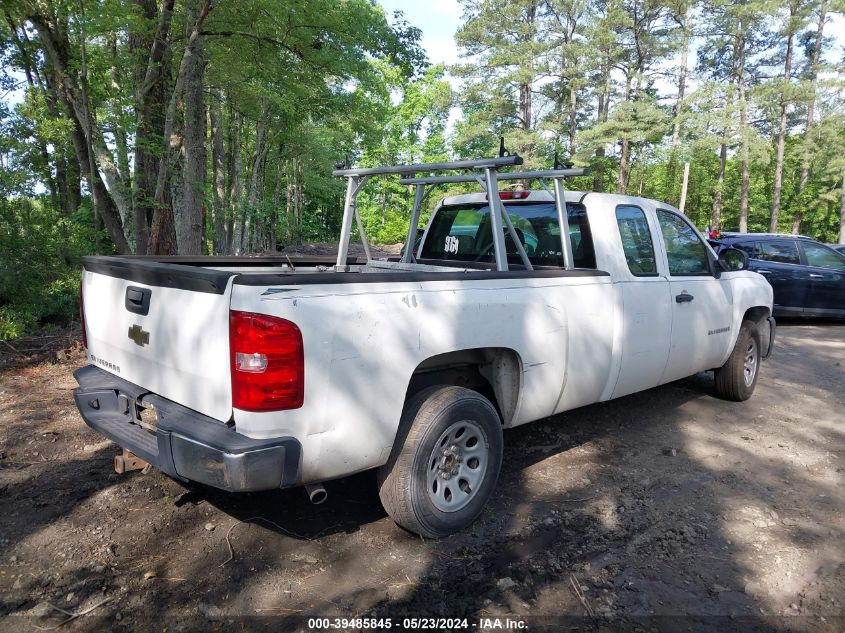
(494, 372)
(756, 314)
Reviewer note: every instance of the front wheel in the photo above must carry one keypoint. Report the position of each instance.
(445, 461)
(736, 379)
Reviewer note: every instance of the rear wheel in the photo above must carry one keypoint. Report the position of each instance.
(736, 379)
(445, 461)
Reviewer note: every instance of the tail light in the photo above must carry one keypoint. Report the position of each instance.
(82, 318)
(519, 194)
(268, 366)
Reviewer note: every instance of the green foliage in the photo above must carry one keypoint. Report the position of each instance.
(414, 132)
(40, 263)
(13, 323)
(300, 87)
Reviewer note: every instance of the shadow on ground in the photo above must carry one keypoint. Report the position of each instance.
(665, 510)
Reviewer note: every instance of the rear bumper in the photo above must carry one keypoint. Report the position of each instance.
(184, 444)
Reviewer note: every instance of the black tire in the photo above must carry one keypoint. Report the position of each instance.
(732, 380)
(404, 480)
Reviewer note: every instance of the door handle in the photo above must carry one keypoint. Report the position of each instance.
(763, 271)
(137, 300)
(684, 297)
(134, 296)
(815, 276)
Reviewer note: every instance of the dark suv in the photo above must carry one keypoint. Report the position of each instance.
(808, 278)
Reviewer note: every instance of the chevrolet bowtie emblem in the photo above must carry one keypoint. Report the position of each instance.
(139, 336)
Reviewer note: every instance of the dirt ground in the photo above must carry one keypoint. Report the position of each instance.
(665, 510)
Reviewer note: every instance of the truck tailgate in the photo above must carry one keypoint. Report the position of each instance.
(163, 327)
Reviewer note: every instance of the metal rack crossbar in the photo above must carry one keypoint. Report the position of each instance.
(485, 172)
(510, 175)
(481, 163)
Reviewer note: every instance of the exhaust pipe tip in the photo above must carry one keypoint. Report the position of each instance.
(316, 493)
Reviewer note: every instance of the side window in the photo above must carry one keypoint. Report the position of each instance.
(822, 257)
(779, 252)
(685, 251)
(636, 240)
(749, 248)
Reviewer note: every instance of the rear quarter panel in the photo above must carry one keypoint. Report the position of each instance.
(363, 342)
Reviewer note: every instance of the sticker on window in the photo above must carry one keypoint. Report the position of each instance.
(451, 244)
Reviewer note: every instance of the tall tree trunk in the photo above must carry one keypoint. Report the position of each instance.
(235, 231)
(808, 129)
(737, 59)
(573, 117)
(682, 82)
(189, 224)
(104, 207)
(601, 117)
(61, 181)
(298, 194)
(161, 208)
(745, 178)
(118, 130)
(151, 76)
(624, 157)
(73, 94)
(625, 154)
(781, 135)
(291, 217)
(294, 200)
(274, 209)
(679, 104)
(219, 178)
(177, 190)
(526, 113)
(125, 175)
(525, 106)
(716, 213)
(256, 182)
(101, 160)
(68, 177)
(842, 211)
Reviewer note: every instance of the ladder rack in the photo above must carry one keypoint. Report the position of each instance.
(484, 171)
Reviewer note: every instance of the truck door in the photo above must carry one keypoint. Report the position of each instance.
(647, 310)
(826, 272)
(702, 316)
(779, 262)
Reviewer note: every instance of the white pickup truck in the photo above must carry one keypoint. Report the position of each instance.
(261, 373)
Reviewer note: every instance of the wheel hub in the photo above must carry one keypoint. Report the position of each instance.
(457, 465)
(449, 462)
(749, 368)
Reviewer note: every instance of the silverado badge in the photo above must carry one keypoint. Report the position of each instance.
(139, 336)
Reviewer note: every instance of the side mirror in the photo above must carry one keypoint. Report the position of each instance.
(731, 259)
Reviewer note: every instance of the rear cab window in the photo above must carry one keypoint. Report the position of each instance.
(463, 233)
